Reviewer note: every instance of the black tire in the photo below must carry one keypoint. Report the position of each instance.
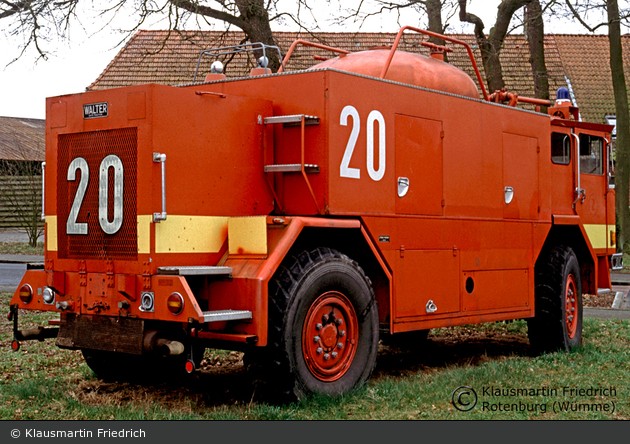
(123, 367)
(333, 356)
(558, 297)
(111, 366)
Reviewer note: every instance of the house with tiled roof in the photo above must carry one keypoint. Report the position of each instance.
(22, 149)
(585, 59)
(578, 62)
(22, 139)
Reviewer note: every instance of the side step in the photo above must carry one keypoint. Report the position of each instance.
(292, 120)
(291, 168)
(226, 315)
(196, 271)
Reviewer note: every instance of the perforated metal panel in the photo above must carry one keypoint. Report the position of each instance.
(94, 146)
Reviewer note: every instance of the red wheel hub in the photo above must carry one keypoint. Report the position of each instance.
(571, 306)
(329, 336)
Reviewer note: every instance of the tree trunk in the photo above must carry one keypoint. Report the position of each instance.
(622, 177)
(434, 13)
(491, 46)
(536, 38)
(258, 30)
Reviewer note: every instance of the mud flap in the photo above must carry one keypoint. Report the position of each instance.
(106, 333)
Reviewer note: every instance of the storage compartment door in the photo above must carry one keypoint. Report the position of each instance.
(427, 283)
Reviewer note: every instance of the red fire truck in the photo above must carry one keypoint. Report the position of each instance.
(297, 215)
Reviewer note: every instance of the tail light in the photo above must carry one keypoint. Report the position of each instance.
(175, 303)
(26, 293)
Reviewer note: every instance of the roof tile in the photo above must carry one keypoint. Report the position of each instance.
(22, 139)
(165, 57)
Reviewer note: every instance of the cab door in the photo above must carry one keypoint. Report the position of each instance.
(592, 187)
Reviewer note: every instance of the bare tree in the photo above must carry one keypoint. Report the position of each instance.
(22, 193)
(535, 31)
(437, 12)
(623, 123)
(39, 20)
(491, 45)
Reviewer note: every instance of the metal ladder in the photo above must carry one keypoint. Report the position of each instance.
(292, 120)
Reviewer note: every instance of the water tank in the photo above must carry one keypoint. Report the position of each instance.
(413, 69)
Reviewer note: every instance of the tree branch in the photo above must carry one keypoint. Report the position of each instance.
(213, 13)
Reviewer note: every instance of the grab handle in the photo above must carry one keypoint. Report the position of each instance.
(161, 158)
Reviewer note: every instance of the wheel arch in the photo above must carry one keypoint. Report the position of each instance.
(357, 245)
(575, 237)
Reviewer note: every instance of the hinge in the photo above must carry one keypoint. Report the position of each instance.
(82, 274)
(146, 275)
(110, 274)
(538, 149)
(402, 251)
(442, 134)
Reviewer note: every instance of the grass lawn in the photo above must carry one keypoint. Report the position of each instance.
(21, 248)
(41, 381)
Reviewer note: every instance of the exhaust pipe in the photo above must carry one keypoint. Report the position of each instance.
(152, 342)
(174, 347)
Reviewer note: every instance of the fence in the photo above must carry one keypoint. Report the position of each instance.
(21, 192)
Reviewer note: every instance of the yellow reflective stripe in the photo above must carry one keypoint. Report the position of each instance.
(51, 233)
(190, 234)
(248, 235)
(597, 234)
(144, 234)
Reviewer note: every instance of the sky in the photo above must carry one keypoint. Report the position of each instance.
(79, 59)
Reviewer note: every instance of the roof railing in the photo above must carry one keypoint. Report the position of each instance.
(228, 50)
(311, 44)
(440, 36)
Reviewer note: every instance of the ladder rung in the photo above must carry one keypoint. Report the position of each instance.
(291, 168)
(226, 315)
(292, 119)
(195, 270)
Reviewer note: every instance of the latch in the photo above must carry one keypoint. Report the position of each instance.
(403, 186)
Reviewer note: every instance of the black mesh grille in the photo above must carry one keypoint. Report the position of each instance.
(94, 146)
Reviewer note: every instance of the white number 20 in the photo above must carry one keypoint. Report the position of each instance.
(355, 173)
(79, 163)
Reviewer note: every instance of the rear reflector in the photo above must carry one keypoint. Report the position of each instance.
(26, 293)
(175, 303)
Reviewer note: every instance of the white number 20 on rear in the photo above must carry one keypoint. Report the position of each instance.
(345, 170)
(110, 227)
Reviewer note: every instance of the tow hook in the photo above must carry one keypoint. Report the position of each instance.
(37, 333)
(97, 306)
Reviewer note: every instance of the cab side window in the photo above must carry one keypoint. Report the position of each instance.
(560, 148)
(591, 154)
